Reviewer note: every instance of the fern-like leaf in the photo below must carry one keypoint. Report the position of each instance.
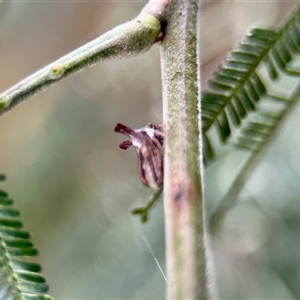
(255, 136)
(19, 279)
(238, 85)
(257, 130)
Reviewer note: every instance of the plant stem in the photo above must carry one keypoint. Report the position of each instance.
(183, 189)
(126, 40)
(144, 211)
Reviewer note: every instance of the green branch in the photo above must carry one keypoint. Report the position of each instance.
(183, 190)
(126, 40)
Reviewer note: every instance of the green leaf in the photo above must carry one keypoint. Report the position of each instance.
(19, 279)
(238, 87)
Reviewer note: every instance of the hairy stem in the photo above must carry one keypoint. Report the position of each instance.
(183, 190)
(126, 40)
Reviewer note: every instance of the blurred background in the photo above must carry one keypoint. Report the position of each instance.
(76, 188)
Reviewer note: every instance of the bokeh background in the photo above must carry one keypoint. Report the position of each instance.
(76, 188)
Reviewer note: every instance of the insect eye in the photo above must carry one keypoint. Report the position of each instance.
(150, 125)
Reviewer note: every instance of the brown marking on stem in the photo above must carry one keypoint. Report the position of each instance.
(182, 192)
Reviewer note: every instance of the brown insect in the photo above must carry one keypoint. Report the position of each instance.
(148, 143)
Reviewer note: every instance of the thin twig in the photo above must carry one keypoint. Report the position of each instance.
(144, 211)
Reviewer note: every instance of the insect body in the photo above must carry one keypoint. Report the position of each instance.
(148, 142)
